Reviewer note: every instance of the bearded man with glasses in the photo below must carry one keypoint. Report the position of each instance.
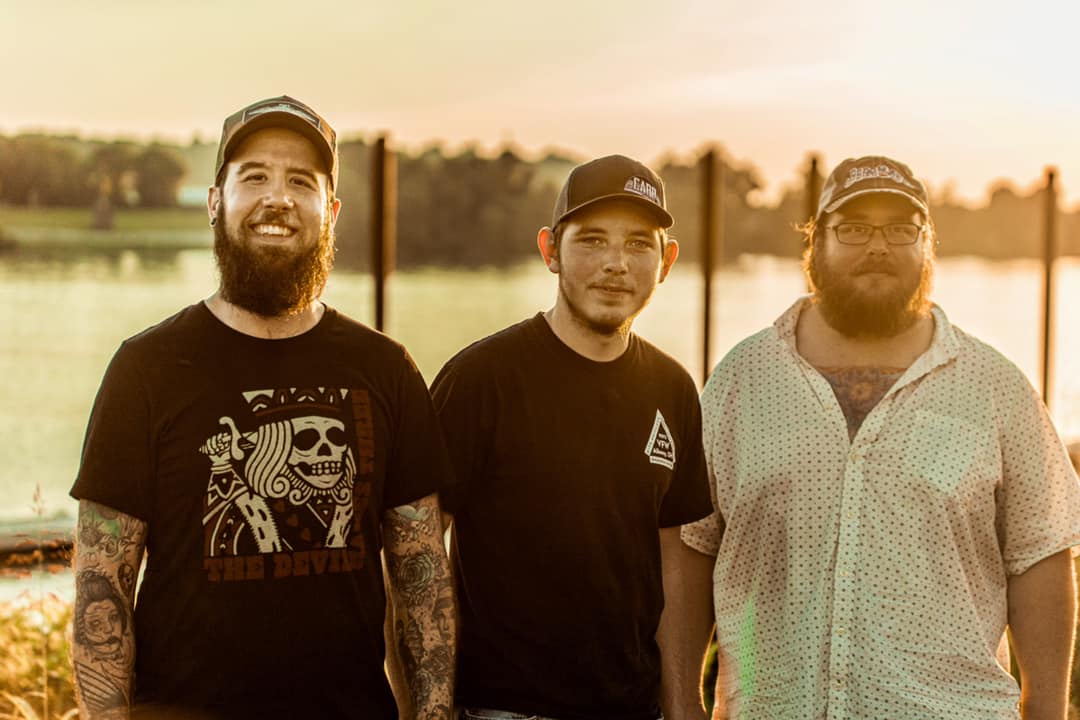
(889, 495)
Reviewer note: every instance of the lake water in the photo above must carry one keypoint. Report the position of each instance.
(63, 313)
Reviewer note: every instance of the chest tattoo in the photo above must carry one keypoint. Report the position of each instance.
(859, 389)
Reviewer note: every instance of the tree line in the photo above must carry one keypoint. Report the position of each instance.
(474, 209)
(471, 210)
(49, 171)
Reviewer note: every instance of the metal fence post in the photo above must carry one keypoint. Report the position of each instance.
(712, 189)
(1049, 255)
(813, 189)
(383, 229)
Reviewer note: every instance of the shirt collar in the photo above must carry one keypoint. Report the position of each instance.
(944, 346)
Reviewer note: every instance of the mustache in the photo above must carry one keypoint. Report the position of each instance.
(272, 217)
(874, 266)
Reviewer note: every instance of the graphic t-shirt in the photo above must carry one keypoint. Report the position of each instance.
(262, 468)
(565, 469)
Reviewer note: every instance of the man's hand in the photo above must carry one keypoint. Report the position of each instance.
(684, 626)
(108, 551)
(424, 610)
(1042, 622)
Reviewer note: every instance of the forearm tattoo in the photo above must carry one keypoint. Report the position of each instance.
(108, 550)
(423, 594)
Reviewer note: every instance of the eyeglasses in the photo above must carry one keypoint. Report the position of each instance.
(857, 233)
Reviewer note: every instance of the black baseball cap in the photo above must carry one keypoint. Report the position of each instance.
(284, 112)
(612, 177)
(871, 174)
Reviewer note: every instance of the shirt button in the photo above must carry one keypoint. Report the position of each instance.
(851, 515)
(839, 682)
(845, 574)
(840, 631)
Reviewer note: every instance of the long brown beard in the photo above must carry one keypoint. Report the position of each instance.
(853, 314)
(272, 281)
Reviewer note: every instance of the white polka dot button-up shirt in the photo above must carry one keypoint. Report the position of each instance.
(867, 578)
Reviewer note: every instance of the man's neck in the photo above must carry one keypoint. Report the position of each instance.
(824, 346)
(268, 328)
(583, 340)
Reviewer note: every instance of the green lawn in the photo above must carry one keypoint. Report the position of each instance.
(164, 228)
(14, 218)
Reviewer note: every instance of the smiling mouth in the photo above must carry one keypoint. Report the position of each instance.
(271, 230)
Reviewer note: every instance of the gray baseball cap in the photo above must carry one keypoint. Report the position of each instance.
(285, 112)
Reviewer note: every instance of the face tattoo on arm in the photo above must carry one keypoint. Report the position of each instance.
(108, 550)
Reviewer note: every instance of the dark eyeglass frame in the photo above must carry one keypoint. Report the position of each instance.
(919, 230)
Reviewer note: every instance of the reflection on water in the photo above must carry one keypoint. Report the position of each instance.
(63, 261)
(66, 309)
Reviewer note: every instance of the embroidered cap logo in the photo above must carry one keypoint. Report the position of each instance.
(643, 188)
(883, 171)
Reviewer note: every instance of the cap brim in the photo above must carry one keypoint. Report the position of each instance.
(837, 204)
(666, 221)
(281, 120)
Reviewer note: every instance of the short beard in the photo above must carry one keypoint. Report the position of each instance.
(853, 314)
(599, 327)
(272, 281)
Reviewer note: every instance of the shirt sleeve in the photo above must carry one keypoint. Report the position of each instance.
(418, 465)
(464, 407)
(705, 534)
(688, 497)
(117, 464)
(1038, 505)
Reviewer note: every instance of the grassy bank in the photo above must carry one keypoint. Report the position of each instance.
(35, 669)
(132, 228)
(36, 676)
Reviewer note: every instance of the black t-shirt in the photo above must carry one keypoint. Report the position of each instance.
(262, 468)
(565, 469)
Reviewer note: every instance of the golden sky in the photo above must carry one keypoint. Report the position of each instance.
(965, 91)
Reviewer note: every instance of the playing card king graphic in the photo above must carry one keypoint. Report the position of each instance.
(283, 497)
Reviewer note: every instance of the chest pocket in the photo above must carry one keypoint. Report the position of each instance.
(950, 455)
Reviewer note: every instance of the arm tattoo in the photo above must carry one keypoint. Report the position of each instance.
(108, 552)
(422, 591)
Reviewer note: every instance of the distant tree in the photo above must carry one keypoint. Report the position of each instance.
(111, 163)
(38, 170)
(464, 210)
(743, 230)
(468, 209)
(158, 172)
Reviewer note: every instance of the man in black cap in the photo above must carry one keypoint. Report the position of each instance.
(263, 448)
(889, 494)
(577, 454)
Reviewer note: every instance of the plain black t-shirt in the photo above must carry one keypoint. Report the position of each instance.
(262, 468)
(565, 469)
